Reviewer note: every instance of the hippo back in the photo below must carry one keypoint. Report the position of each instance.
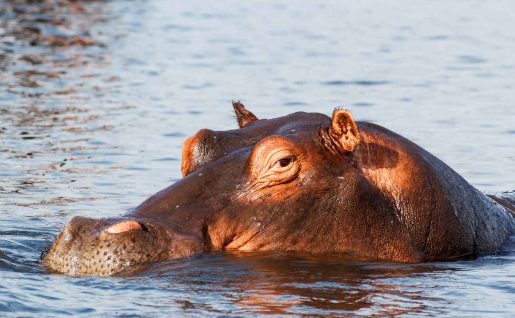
(446, 216)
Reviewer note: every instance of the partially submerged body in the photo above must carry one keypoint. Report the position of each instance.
(302, 182)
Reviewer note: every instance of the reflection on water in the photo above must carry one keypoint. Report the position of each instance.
(97, 96)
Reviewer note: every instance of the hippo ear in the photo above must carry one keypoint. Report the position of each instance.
(343, 131)
(243, 116)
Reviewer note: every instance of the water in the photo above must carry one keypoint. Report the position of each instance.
(96, 98)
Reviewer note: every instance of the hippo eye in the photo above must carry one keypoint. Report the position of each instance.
(274, 160)
(284, 162)
(283, 168)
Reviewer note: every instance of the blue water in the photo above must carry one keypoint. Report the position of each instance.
(96, 98)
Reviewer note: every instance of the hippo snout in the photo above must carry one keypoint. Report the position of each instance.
(104, 247)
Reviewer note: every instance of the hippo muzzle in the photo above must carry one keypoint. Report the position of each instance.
(104, 247)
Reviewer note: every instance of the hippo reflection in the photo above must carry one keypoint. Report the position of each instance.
(302, 182)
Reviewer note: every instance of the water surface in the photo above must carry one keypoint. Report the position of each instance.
(96, 98)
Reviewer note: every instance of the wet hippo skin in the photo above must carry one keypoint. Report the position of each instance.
(303, 182)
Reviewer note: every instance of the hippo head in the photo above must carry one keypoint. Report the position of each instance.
(293, 183)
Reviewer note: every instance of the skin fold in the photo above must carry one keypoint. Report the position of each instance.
(303, 182)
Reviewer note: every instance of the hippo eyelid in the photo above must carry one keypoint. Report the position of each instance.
(279, 155)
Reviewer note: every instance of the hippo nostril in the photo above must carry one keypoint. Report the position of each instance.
(79, 224)
(126, 226)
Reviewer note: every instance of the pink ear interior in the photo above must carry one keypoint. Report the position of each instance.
(124, 227)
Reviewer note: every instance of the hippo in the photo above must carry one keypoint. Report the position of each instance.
(305, 183)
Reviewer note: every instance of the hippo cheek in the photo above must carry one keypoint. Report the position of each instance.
(107, 251)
